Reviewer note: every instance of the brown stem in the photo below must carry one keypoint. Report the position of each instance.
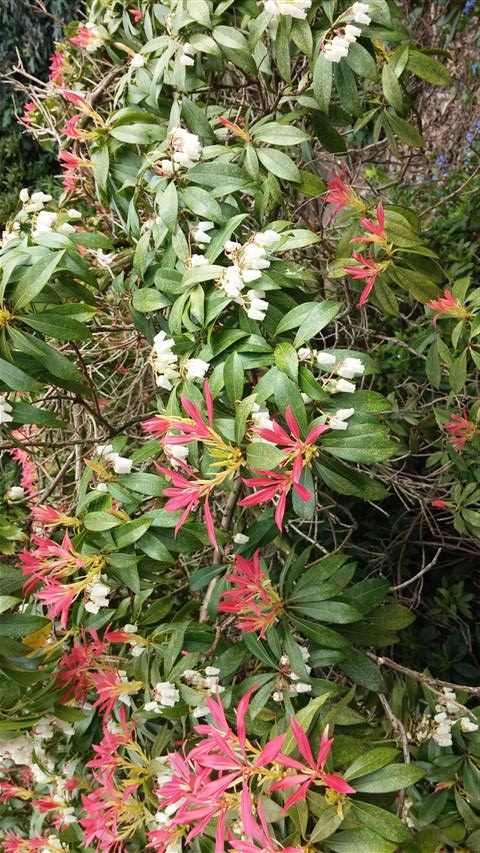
(399, 728)
(421, 677)
(217, 558)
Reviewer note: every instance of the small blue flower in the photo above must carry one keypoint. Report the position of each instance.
(469, 137)
(420, 177)
(477, 123)
(434, 178)
(474, 67)
(469, 6)
(441, 160)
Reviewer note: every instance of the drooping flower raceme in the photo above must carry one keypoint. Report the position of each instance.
(290, 8)
(359, 13)
(164, 361)
(121, 465)
(185, 150)
(248, 261)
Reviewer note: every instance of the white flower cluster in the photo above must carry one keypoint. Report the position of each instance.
(137, 61)
(289, 8)
(121, 465)
(186, 53)
(185, 150)
(45, 221)
(199, 232)
(96, 595)
(175, 453)
(447, 714)
(136, 647)
(165, 695)
(340, 419)
(5, 409)
(248, 261)
(165, 364)
(337, 48)
(15, 493)
(207, 684)
(28, 750)
(124, 697)
(296, 686)
(347, 368)
(260, 417)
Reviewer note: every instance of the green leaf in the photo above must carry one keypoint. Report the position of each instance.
(16, 625)
(225, 177)
(433, 368)
(362, 401)
(215, 248)
(17, 379)
(416, 283)
(129, 532)
(428, 68)
(330, 138)
(392, 89)
(263, 456)
(335, 612)
(321, 314)
(277, 133)
(146, 484)
(294, 317)
(370, 761)
(326, 825)
(360, 841)
(34, 279)
(123, 567)
(24, 413)
(361, 670)
(233, 375)
(148, 299)
(138, 133)
(347, 89)
(361, 61)
(457, 375)
(196, 120)
(201, 203)
(391, 778)
(359, 443)
(286, 359)
(407, 132)
(56, 363)
(168, 206)
(322, 82)
(101, 164)
(57, 326)
(348, 481)
(278, 164)
(287, 394)
(99, 521)
(311, 185)
(281, 48)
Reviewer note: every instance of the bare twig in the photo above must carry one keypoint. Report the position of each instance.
(399, 728)
(419, 574)
(430, 682)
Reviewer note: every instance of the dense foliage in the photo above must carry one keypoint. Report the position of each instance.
(238, 371)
